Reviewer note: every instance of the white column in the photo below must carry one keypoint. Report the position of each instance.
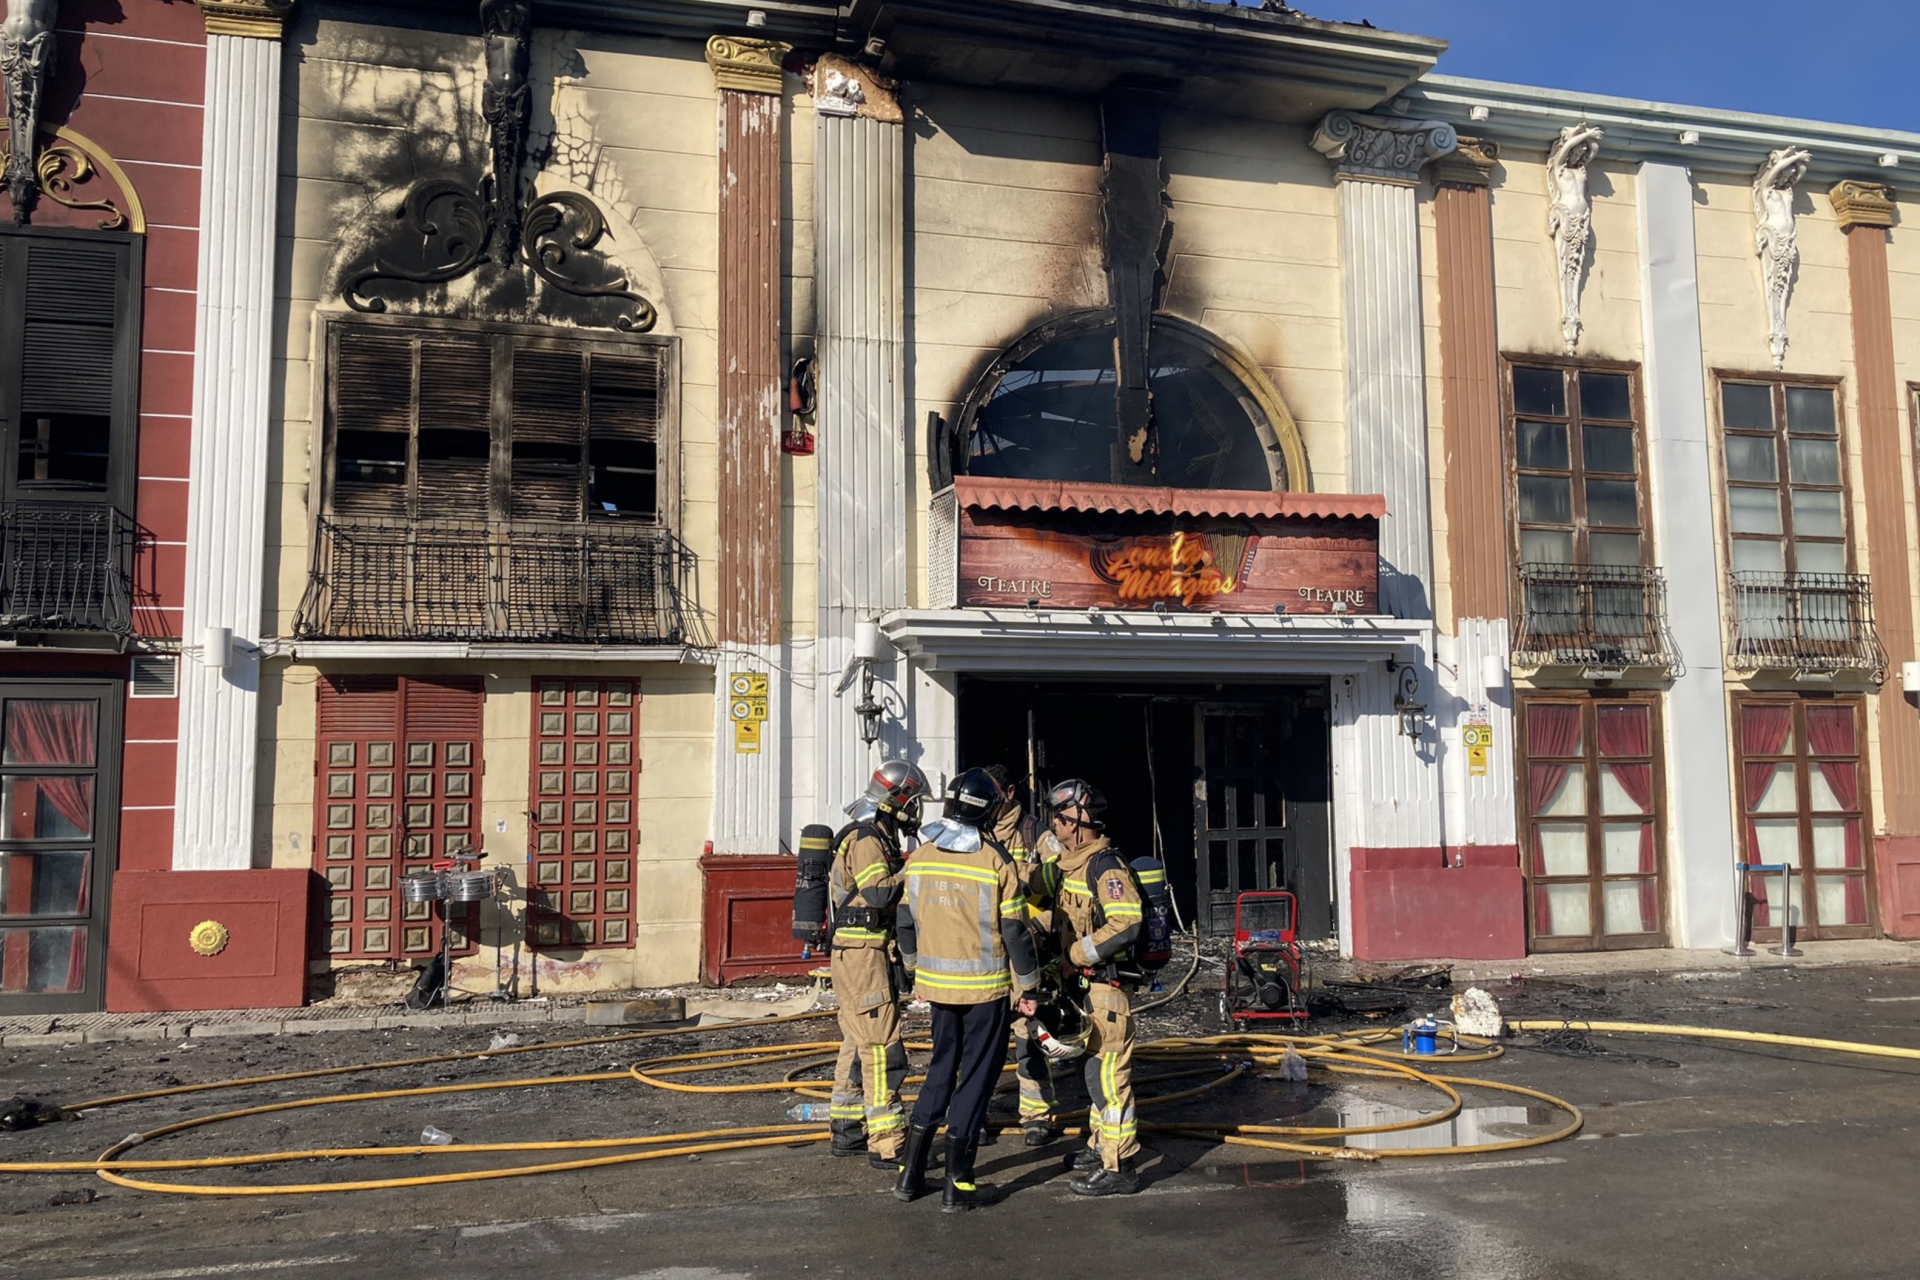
(1377, 162)
(1700, 820)
(862, 460)
(227, 482)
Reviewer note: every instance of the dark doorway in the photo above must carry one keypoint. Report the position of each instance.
(1230, 783)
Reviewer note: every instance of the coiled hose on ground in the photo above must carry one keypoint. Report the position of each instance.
(1212, 1060)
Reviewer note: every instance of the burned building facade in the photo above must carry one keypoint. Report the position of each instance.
(1483, 512)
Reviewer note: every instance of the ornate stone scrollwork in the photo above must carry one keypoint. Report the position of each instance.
(1775, 238)
(746, 65)
(450, 228)
(1862, 204)
(26, 48)
(1381, 148)
(453, 228)
(61, 169)
(1570, 219)
(563, 224)
(506, 103)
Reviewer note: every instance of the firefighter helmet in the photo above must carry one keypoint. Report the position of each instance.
(975, 798)
(896, 789)
(1060, 1028)
(1076, 794)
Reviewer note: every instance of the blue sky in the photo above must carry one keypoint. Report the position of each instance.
(1771, 56)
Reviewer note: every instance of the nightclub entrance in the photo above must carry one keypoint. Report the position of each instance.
(1230, 783)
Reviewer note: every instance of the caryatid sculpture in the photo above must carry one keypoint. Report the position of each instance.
(1570, 218)
(1775, 240)
(26, 49)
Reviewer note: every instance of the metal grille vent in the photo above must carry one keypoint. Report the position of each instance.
(156, 676)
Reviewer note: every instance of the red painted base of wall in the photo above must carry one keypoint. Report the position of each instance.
(1412, 904)
(151, 966)
(1898, 866)
(747, 929)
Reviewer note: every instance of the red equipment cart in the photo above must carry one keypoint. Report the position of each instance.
(1264, 974)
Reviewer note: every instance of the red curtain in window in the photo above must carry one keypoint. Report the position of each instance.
(1830, 733)
(55, 733)
(1553, 729)
(1628, 731)
(1763, 732)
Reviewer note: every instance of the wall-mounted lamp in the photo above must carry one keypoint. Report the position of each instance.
(216, 648)
(869, 647)
(1689, 137)
(1406, 700)
(1479, 113)
(1890, 160)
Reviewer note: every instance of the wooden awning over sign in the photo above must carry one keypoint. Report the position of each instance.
(1075, 546)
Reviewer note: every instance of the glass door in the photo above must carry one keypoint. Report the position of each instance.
(1802, 800)
(59, 793)
(1590, 802)
(1240, 811)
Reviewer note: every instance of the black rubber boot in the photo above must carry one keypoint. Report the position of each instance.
(1107, 1182)
(1038, 1133)
(1085, 1160)
(960, 1194)
(913, 1164)
(849, 1138)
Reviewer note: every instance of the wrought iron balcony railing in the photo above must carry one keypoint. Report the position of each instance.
(67, 567)
(1574, 615)
(528, 581)
(1815, 622)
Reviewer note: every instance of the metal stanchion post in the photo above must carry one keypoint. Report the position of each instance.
(1786, 947)
(1741, 912)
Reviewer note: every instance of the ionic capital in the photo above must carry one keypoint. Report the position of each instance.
(1381, 148)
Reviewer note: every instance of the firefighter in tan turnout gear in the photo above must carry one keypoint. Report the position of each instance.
(863, 891)
(1097, 916)
(1034, 852)
(963, 930)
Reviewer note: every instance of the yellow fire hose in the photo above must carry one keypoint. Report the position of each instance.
(1220, 1059)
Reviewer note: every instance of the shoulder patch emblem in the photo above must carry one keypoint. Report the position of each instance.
(1115, 889)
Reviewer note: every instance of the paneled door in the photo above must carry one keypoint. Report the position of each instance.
(59, 836)
(1593, 822)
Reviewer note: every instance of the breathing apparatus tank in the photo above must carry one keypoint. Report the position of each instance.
(810, 884)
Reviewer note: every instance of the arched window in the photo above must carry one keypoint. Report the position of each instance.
(1045, 411)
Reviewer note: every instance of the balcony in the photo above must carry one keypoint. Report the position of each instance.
(508, 581)
(1813, 623)
(66, 567)
(1593, 616)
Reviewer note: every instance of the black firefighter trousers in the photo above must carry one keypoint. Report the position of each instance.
(969, 1050)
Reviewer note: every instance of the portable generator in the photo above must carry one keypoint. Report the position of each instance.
(1264, 980)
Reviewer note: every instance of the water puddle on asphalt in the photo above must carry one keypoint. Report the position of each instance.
(1374, 1106)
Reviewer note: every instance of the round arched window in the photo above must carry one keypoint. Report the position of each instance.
(1045, 411)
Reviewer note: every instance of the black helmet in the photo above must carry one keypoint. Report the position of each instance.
(974, 798)
(1075, 793)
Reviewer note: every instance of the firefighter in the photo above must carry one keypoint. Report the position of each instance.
(1097, 916)
(958, 885)
(1029, 849)
(863, 889)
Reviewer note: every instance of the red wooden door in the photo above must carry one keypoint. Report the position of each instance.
(397, 785)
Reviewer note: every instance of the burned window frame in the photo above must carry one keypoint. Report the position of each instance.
(505, 340)
(129, 251)
(1278, 432)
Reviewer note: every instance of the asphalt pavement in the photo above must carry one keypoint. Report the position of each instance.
(1696, 1159)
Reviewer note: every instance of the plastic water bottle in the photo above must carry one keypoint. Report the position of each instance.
(809, 1112)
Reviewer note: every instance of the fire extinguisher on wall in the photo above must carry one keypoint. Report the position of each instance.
(801, 401)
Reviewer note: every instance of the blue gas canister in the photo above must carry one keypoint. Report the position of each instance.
(1422, 1037)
